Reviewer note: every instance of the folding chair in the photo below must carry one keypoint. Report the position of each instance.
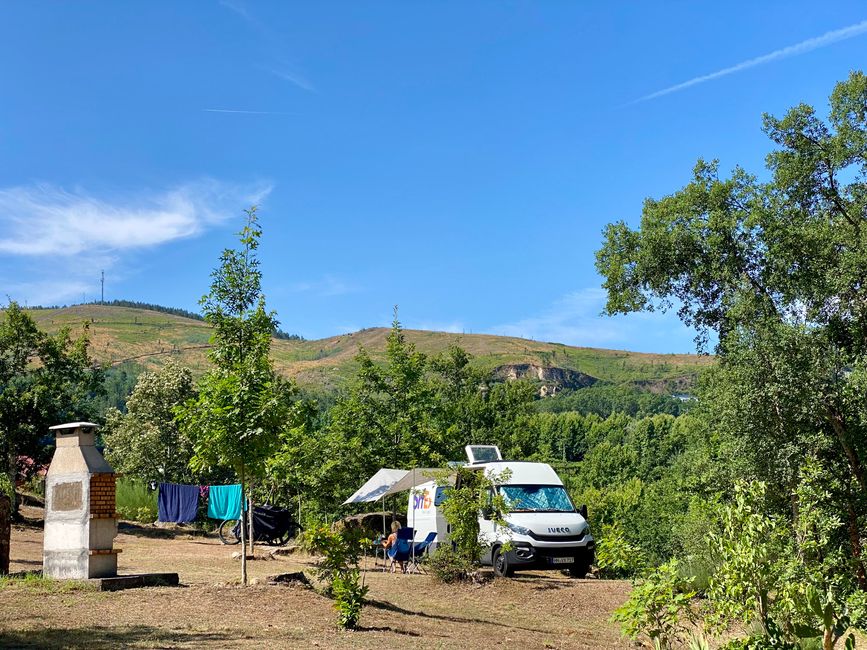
(418, 552)
(400, 551)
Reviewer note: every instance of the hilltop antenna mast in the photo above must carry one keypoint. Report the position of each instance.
(102, 286)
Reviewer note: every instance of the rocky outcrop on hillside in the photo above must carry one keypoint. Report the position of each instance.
(552, 379)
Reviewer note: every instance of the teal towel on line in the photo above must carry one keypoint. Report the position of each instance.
(224, 502)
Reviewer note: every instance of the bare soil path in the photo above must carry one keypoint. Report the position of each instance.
(534, 610)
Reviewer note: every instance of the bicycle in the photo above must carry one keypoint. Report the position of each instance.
(271, 525)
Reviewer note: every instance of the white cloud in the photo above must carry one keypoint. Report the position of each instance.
(575, 319)
(44, 220)
(828, 38)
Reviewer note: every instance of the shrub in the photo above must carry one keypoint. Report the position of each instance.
(658, 608)
(135, 502)
(349, 592)
(616, 557)
(448, 566)
(341, 551)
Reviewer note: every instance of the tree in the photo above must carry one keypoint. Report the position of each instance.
(44, 380)
(146, 441)
(777, 270)
(243, 404)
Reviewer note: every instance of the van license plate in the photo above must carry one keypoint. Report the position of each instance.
(562, 560)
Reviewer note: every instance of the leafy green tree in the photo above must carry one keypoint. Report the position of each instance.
(776, 270)
(243, 405)
(146, 442)
(44, 380)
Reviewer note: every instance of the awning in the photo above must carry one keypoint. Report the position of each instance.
(377, 486)
(415, 477)
(391, 481)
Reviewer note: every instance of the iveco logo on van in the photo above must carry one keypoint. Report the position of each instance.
(558, 530)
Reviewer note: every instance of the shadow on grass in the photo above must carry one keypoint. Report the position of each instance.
(154, 532)
(391, 607)
(386, 628)
(109, 637)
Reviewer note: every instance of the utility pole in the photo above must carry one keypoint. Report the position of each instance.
(102, 286)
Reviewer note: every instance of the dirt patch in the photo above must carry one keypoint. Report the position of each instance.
(534, 610)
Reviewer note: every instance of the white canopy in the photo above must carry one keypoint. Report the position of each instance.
(391, 481)
(413, 478)
(377, 486)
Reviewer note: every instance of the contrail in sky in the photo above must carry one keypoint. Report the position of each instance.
(803, 47)
(229, 110)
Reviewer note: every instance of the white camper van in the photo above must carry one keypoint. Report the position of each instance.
(544, 528)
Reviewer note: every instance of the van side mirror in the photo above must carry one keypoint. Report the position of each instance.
(583, 511)
(487, 512)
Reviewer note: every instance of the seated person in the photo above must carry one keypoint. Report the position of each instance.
(390, 542)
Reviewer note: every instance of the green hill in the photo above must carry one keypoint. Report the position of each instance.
(148, 338)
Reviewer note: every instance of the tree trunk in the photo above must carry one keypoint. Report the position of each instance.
(250, 535)
(243, 537)
(5, 532)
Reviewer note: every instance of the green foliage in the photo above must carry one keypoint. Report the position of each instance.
(133, 501)
(616, 557)
(349, 592)
(146, 442)
(6, 486)
(45, 379)
(658, 608)
(242, 404)
(448, 566)
(604, 399)
(474, 492)
(415, 411)
(338, 567)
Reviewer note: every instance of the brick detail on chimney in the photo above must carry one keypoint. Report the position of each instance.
(102, 496)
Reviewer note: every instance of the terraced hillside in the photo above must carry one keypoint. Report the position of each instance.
(150, 337)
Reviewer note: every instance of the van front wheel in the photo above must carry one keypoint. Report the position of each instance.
(501, 564)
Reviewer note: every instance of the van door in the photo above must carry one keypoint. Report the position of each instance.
(487, 527)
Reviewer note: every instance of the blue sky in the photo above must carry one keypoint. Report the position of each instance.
(458, 159)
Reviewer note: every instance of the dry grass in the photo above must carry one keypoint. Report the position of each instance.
(149, 338)
(535, 610)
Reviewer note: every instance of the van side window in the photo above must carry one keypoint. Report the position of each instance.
(441, 495)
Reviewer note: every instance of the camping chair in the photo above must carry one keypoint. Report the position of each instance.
(418, 552)
(400, 551)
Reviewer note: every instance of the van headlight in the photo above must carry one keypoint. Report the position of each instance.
(521, 530)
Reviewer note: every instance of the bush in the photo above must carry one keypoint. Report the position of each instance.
(658, 608)
(349, 592)
(616, 557)
(340, 550)
(135, 502)
(448, 566)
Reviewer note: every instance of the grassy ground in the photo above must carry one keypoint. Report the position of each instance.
(535, 610)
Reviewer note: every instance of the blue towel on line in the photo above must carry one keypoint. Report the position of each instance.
(178, 503)
(224, 502)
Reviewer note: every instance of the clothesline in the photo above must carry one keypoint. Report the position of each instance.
(180, 503)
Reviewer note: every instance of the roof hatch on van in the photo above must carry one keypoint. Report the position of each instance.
(482, 453)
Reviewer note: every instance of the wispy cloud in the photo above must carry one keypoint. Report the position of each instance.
(274, 45)
(232, 110)
(453, 327)
(286, 73)
(575, 319)
(45, 220)
(828, 38)
(328, 285)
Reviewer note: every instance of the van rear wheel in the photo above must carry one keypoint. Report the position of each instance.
(579, 570)
(502, 569)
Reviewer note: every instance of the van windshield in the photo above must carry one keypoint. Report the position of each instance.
(536, 498)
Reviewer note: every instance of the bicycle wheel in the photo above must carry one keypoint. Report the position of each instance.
(227, 532)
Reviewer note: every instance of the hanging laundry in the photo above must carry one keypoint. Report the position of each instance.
(178, 503)
(224, 502)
